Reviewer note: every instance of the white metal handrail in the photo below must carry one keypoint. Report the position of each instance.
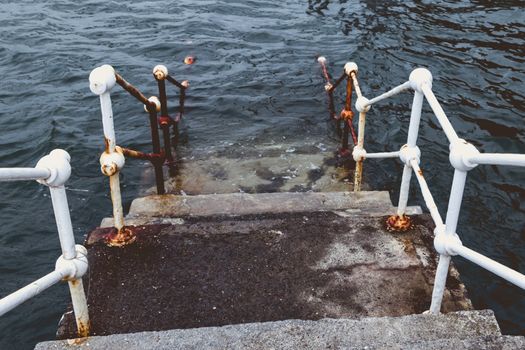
(463, 157)
(53, 171)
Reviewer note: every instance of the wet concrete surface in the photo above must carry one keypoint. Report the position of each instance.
(263, 169)
(214, 271)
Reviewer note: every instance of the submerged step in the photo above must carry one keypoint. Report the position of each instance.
(213, 271)
(472, 328)
(257, 168)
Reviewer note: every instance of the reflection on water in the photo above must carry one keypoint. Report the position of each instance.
(256, 82)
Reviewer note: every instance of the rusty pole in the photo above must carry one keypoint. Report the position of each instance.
(330, 91)
(164, 119)
(160, 73)
(182, 97)
(328, 87)
(155, 140)
(347, 115)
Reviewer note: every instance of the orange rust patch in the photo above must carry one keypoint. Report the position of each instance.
(77, 341)
(122, 237)
(74, 283)
(396, 223)
(106, 144)
(347, 114)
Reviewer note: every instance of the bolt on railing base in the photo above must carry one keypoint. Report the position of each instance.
(120, 238)
(398, 223)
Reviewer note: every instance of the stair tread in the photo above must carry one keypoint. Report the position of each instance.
(466, 328)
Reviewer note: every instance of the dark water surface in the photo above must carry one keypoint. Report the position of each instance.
(256, 81)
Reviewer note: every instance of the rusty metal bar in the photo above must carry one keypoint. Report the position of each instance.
(162, 97)
(132, 90)
(175, 82)
(165, 127)
(338, 81)
(347, 116)
(344, 138)
(155, 140)
(152, 157)
(164, 120)
(160, 72)
(328, 89)
(182, 97)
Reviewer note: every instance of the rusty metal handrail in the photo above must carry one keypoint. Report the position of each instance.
(53, 171)
(463, 158)
(346, 116)
(102, 79)
(160, 72)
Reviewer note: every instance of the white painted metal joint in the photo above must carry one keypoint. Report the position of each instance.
(112, 162)
(102, 79)
(444, 243)
(160, 72)
(362, 104)
(57, 163)
(407, 154)
(460, 154)
(420, 77)
(350, 67)
(358, 153)
(156, 101)
(73, 268)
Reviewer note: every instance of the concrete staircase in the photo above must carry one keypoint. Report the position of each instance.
(308, 270)
(458, 330)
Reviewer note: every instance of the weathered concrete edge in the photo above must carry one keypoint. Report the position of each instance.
(291, 334)
(374, 203)
(179, 219)
(247, 203)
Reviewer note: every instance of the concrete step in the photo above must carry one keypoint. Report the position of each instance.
(223, 270)
(474, 343)
(371, 203)
(466, 329)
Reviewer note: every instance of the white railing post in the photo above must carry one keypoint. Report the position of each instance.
(446, 237)
(463, 157)
(418, 77)
(53, 171)
(112, 160)
(73, 262)
(361, 105)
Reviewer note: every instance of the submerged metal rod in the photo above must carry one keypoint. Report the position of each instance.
(344, 138)
(182, 98)
(165, 126)
(155, 140)
(164, 120)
